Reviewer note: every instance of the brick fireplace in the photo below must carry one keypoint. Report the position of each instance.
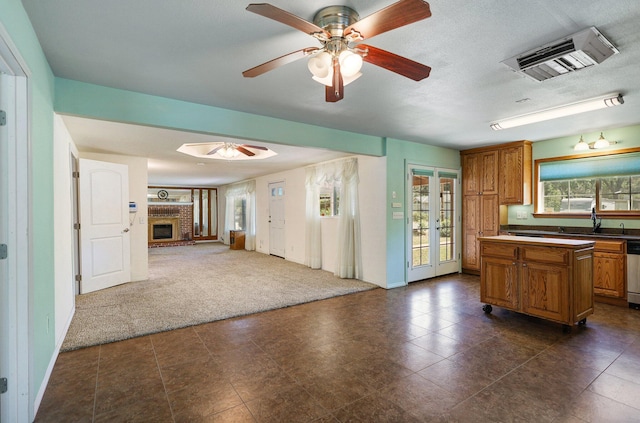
(170, 225)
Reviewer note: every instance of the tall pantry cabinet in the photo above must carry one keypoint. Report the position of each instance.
(491, 176)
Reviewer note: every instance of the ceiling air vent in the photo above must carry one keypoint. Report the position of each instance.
(574, 52)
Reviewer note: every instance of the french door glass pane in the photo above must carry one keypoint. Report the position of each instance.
(420, 216)
(447, 219)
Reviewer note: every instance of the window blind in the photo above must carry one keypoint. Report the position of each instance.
(591, 167)
(448, 175)
(422, 172)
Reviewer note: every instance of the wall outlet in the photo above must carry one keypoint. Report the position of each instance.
(522, 215)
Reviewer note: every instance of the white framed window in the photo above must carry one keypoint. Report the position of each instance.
(330, 200)
(607, 183)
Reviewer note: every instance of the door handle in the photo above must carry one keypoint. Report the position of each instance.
(125, 230)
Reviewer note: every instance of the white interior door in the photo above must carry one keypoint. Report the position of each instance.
(431, 222)
(104, 225)
(276, 219)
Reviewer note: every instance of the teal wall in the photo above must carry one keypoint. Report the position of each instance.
(41, 92)
(82, 99)
(399, 154)
(627, 137)
(88, 100)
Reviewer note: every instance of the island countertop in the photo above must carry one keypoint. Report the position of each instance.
(531, 240)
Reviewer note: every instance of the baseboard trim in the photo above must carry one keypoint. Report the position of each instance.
(45, 381)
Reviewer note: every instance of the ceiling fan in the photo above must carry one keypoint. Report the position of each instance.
(230, 150)
(339, 29)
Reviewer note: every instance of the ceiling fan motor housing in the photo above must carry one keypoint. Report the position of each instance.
(334, 19)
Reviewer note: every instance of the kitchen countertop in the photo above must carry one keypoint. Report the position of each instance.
(530, 240)
(539, 233)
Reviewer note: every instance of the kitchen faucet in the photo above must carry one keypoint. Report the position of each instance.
(594, 217)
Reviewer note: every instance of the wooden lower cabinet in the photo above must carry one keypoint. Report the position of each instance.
(610, 271)
(543, 277)
(481, 217)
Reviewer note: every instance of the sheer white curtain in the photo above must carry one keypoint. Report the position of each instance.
(342, 173)
(349, 262)
(243, 191)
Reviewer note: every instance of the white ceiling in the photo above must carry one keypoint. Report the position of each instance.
(196, 51)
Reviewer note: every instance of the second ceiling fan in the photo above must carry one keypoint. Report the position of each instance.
(339, 29)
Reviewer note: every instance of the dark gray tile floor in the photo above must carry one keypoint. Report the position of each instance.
(422, 353)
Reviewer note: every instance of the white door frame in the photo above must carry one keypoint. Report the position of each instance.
(16, 347)
(435, 266)
(273, 250)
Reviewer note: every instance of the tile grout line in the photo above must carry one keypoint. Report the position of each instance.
(164, 386)
(95, 393)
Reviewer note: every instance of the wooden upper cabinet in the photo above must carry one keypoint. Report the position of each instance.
(480, 173)
(505, 170)
(515, 174)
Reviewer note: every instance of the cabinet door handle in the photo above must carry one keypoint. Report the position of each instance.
(524, 264)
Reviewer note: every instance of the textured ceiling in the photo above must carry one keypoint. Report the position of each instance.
(196, 51)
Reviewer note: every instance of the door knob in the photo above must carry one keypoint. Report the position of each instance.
(125, 230)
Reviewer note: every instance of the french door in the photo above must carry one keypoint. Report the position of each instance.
(432, 222)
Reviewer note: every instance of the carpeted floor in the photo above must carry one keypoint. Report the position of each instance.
(197, 284)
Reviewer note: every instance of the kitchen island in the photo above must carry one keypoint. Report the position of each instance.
(550, 278)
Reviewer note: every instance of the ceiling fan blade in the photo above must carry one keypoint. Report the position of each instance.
(394, 63)
(245, 151)
(280, 61)
(215, 150)
(391, 17)
(336, 91)
(282, 16)
(257, 147)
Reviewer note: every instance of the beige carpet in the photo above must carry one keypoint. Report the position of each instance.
(197, 284)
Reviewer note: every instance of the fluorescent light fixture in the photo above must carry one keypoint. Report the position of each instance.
(556, 112)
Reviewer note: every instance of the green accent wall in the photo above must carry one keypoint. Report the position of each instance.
(627, 137)
(399, 154)
(94, 101)
(41, 94)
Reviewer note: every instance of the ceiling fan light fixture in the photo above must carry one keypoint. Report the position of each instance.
(328, 80)
(350, 63)
(320, 65)
(228, 152)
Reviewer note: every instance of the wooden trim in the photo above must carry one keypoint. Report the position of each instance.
(621, 302)
(634, 214)
(495, 147)
(605, 215)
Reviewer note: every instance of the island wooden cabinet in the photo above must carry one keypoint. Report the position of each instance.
(544, 277)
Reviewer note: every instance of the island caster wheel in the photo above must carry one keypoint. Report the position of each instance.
(582, 322)
(487, 308)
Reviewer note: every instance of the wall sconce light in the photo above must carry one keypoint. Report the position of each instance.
(556, 112)
(602, 142)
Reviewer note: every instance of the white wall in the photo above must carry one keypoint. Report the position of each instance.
(371, 192)
(294, 213)
(63, 229)
(138, 193)
(373, 220)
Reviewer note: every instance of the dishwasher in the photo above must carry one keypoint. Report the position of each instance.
(633, 274)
